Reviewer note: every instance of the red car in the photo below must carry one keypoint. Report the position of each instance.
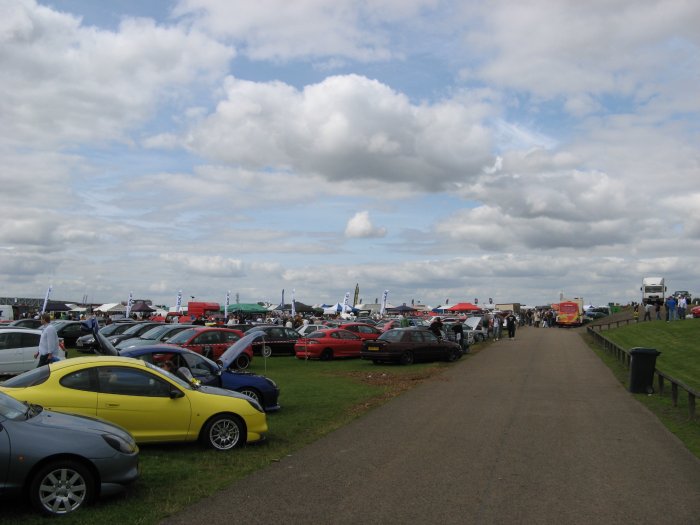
(365, 331)
(211, 342)
(695, 311)
(328, 344)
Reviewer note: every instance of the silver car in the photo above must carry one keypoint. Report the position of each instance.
(18, 346)
(61, 461)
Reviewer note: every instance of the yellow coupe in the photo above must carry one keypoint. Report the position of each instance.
(151, 403)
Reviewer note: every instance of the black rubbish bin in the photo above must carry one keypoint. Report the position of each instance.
(642, 366)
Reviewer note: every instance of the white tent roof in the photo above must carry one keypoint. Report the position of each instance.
(111, 308)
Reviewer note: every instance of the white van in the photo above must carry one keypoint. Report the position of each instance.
(7, 313)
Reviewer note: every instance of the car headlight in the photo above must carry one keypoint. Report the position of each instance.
(255, 404)
(119, 444)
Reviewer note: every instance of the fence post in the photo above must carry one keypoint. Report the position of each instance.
(691, 405)
(674, 394)
(661, 385)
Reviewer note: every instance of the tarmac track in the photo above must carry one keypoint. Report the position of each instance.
(535, 431)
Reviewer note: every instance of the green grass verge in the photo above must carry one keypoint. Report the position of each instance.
(680, 358)
(316, 398)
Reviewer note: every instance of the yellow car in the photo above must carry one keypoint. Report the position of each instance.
(151, 403)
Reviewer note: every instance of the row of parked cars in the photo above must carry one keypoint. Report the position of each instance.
(167, 383)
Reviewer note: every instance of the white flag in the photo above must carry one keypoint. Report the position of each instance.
(294, 310)
(384, 296)
(46, 299)
(178, 301)
(129, 304)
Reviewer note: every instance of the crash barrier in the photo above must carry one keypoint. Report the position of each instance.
(607, 326)
(662, 378)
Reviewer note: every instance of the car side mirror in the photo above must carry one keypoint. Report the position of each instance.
(175, 393)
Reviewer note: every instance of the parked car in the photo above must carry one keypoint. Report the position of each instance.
(476, 329)
(695, 311)
(18, 347)
(161, 333)
(22, 323)
(152, 404)
(61, 462)
(365, 331)
(211, 342)
(136, 330)
(277, 340)
(69, 331)
(86, 343)
(209, 373)
(306, 329)
(328, 344)
(409, 345)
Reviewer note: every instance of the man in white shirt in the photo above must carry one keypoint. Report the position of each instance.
(48, 342)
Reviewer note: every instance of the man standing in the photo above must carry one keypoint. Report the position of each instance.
(48, 342)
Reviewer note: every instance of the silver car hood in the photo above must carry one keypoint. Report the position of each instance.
(237, 348)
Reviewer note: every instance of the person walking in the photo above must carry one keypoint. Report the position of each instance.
(647, 311)
(497, 325)
(510, 323)
(48, 342)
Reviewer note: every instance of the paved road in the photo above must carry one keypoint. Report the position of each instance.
(535, 430)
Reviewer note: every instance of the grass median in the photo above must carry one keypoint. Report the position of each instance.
(316, 398)
(680, 358)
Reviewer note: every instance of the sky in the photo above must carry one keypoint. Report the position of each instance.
(445, 151)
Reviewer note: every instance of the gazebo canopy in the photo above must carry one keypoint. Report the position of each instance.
(141, 306)
(246, 308)
(111, 308)
(463, 307)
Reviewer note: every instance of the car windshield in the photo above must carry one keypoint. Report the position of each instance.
(183, 336)
(32, 377)
(11, 408)
(155, 332)
(133, 329)
(392, 335)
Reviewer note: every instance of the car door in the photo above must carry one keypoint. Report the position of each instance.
(350, 343)
(28, 348)
(10, 355)
(141, 402)
(431, 349)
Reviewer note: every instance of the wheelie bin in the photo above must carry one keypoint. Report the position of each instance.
(642, 366)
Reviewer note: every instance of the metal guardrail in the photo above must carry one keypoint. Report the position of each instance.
(624, 357)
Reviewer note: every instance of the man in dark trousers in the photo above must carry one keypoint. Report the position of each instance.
(511, 321)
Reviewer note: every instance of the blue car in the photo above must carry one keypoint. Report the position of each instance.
(260, 388)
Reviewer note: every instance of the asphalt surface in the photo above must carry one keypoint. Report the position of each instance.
(535, 430)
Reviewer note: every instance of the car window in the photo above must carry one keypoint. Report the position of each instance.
(36, 376)
(392, 335)
(30, 340)
(80, 380)
(199, 366)
(9, 341)
(316, 335)
(344, 334)
(276, 333)
(183, 336)
(291, 334)
(155, 332)
(415, 336)
(429, 337)
(131, 382)
(73, 329)
(230, 337)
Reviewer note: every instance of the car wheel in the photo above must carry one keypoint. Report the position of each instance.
(266, 351)
(224, 432)
(327, 355)
(61, 487)
(251, 392)
(452, 355)
(407, 358)
(242, 362)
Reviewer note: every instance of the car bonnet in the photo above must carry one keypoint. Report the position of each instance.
(237, 348)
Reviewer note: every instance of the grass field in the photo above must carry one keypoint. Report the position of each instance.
(316, 398)
(679, 344)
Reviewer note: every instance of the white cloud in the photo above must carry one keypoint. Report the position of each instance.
(360, 226)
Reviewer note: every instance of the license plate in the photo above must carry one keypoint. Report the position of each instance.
(373, 348)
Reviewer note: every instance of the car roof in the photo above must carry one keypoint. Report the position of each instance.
(98, 359)
(22, 330)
